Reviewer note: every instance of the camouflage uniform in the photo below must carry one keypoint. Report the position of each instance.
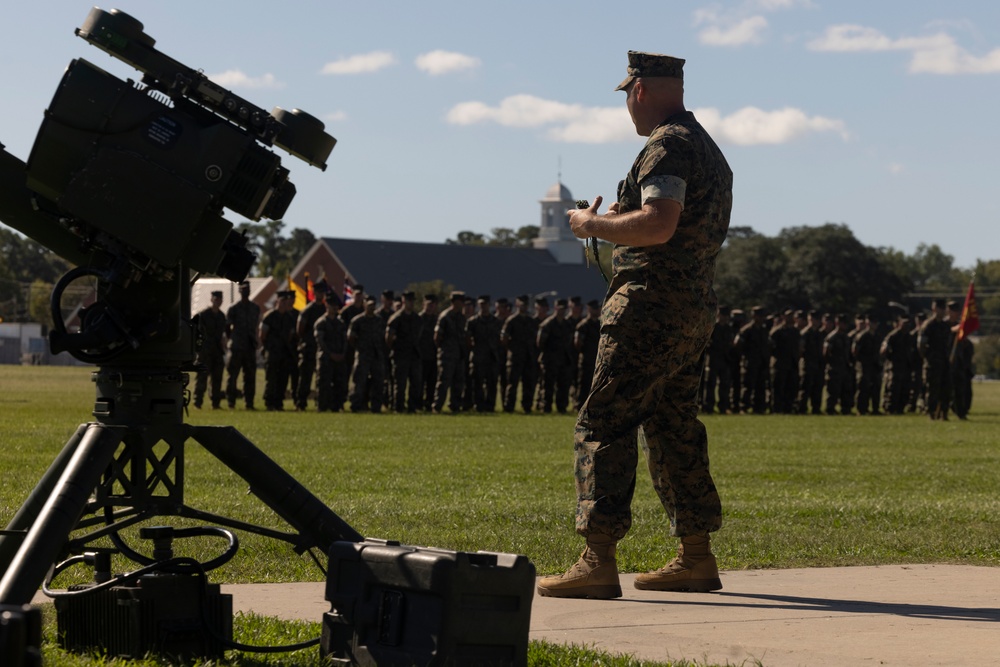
(896, 352)
(241, 321)
(655, 325)
(407, 367)
(555, 362)
(837, 353)
(211, 356)
(330, 334)
(868, 371)
(428, 358)
(450, 333)
(719, 376)
(368, 372)
(307, 350)
(348, 313)
(520, 331)
(784, 368)
(933, 343)
(279, 353)
(753, 344)
(962, 372)
(484, 332)
(917, 399)
(811, 370)
(586, 338)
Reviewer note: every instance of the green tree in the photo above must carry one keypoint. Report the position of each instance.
(38, 302)
(749, 272)
(933, 270)
(300, 241)
(276, 254)
(525, 235)
(988, 296)
(987, 357)
(467, 238)
(503, 236)
(23, 262)
(828, 267)
(499, 236)
(439, 287)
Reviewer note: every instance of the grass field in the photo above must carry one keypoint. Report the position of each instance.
(797, 491)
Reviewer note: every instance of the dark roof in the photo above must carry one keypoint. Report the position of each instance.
(496, 271)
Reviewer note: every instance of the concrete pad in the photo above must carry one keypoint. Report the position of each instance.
(888, 615)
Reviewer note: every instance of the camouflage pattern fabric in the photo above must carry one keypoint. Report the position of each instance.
(211, 356)
(330, 334)
(307, 350)
(655, 325)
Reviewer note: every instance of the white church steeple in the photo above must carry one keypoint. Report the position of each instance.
(554, 233)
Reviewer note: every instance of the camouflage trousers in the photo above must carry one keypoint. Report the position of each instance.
(647, 375)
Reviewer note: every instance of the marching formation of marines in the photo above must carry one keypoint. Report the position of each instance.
(474, 355)
(483, 355)
(791, 362)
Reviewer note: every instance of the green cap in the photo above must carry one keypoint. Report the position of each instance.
(651, 64)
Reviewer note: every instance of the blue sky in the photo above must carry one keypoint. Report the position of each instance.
(459, 115)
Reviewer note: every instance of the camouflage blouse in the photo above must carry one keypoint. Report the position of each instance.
(678, 273)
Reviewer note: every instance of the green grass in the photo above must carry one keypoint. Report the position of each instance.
(797, 491)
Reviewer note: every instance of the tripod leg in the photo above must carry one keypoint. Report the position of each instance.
(59, 515)
(276, 488)
(33, 505)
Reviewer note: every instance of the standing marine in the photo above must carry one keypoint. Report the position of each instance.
(667, 228)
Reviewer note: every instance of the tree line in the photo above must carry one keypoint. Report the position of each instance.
(823, 267)
(827, 268)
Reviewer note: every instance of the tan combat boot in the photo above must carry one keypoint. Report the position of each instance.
(595, 575)
(694, 569)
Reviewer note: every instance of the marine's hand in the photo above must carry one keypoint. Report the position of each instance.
(580, 219)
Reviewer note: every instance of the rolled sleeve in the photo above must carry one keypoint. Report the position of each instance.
(664, 187)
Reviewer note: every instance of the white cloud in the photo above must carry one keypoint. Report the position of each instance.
(741, 24)
(235, 78)
(932, 54)
(442, 62)
(360, 64)
(515, 111)
(775, 5)
(336, 116)
(896, 168)
(596, 125)
(747, 31)
(574, 123)
(751, 126)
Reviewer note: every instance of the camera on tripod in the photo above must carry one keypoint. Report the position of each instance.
(135, 176)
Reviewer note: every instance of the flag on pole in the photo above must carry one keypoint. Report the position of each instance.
(300, 294)
(970, 313)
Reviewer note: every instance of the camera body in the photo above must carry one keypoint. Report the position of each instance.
(129, 181)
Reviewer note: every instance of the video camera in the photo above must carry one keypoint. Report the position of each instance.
(128, 180)
(145, 168)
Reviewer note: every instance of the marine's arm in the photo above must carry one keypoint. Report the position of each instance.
(653, 224)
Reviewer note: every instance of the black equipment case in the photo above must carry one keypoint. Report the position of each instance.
(394, 604)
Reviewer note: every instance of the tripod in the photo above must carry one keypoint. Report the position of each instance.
(128, 465)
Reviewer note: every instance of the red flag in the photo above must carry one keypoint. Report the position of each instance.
(970, 313)
(310, 291)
